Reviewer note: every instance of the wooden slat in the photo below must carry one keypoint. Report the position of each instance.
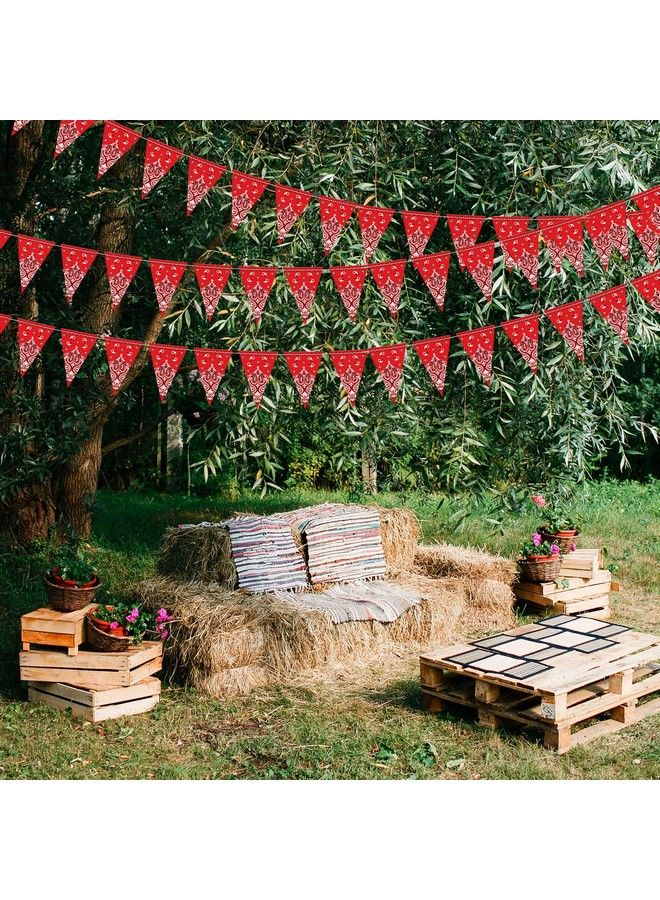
(89, 659)
(96, 698)
(48, 637)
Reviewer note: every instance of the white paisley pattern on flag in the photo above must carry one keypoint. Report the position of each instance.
(289, 206)
(257, 368)
(304, 367)
(166, 360)
(76, 263)
(419, 227)
(304, 283)
(479, 344)
(649, 287)
(121, 356)
(524, 335)
(349, 365)
(116, 141)
(389, 365)
(31, 254)
(568, 320)
(563, 237)
(434, 354)
(76, 347)
(613, 307)
(32, 337)
(389, 281)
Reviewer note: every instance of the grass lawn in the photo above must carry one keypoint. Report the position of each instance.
(368, 724)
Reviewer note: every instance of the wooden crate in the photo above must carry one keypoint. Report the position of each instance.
(582, 563)
(91, 669)
(574, 691)
(50, 628)
(570, 595)
(97, 705)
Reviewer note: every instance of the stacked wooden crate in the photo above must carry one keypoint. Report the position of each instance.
(583, 587)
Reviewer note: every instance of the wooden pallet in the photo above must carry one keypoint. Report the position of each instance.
(574, 692)
(91, 669)
(97, 705)
(50, 628)
(570, 595)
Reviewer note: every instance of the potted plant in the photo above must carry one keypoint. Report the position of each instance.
(115, 625)
(539, 560)
(561, 524)
(71, 581)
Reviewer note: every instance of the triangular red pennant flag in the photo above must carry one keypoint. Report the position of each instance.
(304, 367)
(389, 280)
(478, 261)
(76, 347)
(349, 281)
(510, 226)
(613, 307)
(289, 207)
(568, 320)
(245, 191)
(257, 282)
(202, 176)
(166, 360)
(389, 365)
(32, 337)
(374, 221)
(478, 344)
(647, 233)
(434, 270)
(524, 335)
(523, 252)
(419, 227)
(18, 124)
(212, 281)
(166, 276)
(563, 238)
(434, 354)
(257, 368)
(608, 230)
(76, 263)
(304, 283)
(121, 271)
(649, 287)
(158, 160)
(334, 216)
(31, 254)
(70, 130)
(649, 202)
(4, 321)
(212, 365)
(4, 237)
(464, 230)
(117, 140)
(121, 356)
(349, 365)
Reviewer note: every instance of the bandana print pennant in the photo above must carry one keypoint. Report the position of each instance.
(166, 360)
(4, 237)
(32, 337)
(374, 221)
(524, 335)
(31, 254)
(523, 252)
(464, 231)
(334, 217)
(389, 281)
(158, 160)
(245, 191)
(349, 365)
(257, 368)
(647, 233)
(18, 124)
(289, 207)
(478, 345)
(478, 261)
(304, 368)
(4, 321)
(212, 281)
(649, 202)
(70, 130)
(257, 282)
(76, 347)
(510, 226)
(434, 270)
(434, 354)
(304, 283)
(649, 287)
(116, 142)
(613, 307)
(202, 176)
(568, 320)
(563, 237)
(419, 227)
(349, 281)
(389, 365)
(121, 356)
(76, 263)
(166, 276)
(211, 365)
(608, 229)
(121, 271)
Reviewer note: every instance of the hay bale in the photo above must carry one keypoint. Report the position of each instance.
(463, 562)
(231, 682)
(400, 533)
(197, 554)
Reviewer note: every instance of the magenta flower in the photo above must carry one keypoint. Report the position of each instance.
(555, 549)
(573, 547)
(536, 539)
(162, 615)
(133, 615)
(539, 500)
(164, 633)
(114, 625)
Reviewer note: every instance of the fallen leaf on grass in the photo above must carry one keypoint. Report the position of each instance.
(456, 764)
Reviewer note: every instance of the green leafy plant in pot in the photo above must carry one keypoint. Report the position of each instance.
(539, 559)
(115, 625)
(71, 581)
(560, 525)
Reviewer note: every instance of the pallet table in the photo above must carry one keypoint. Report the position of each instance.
(588, 594)
(560, 675)
(50, 628)
(95, 705)
(92, 669)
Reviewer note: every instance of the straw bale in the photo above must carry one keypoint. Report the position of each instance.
(463, 562)
(197, 554)
(400, 533)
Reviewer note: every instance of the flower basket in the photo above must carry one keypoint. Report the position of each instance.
(67, 596)
(565, 539)
(538, 569)
(100, 639)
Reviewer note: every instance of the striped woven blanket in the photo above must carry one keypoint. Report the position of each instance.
(266, 555)
(359, 601)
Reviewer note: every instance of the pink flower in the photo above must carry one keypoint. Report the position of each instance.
(539, 500)
(114, 625)
(162, 615)
(133, 615)
(164, 633)
(573, 547)
(555, 549)
(536, 538)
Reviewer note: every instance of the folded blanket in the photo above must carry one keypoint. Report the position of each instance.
(359, 601)
(265, 554)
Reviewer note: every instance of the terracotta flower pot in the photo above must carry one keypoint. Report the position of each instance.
(563, 539)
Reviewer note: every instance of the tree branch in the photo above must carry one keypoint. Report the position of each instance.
(123, 442)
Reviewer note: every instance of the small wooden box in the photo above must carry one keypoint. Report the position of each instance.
(50, 628)
(570, 594)
(581, 564)
(92, 669)
(97, 705)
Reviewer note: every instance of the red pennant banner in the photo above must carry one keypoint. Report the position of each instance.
(289, 207)
(70, 130)
(166, 276)
(649, 202)
(349, 365)
(434, 270)
(31, 254)
(523, 252)
(478, 344)
(257, 282)
(389, 281)
(434, 354)
(464, 230)
(245, 191)
(647, 233)
(479, 263)
(608, 229)
(349, 281)
(649, 287)
(563, 238)
(18, 124)
(304, 368)
(121, 356)
(419, 227)
(121, 271)
(304, 283)
(212, 281)
(510, 226)
(524, 335)
(158, 160)
(116, 141)
(374, 221)
(4, 237)
(76, 347)
(202, 176)
(389, 365)
(32, 337)
(212, 365)
(166, 360)
(613, 307)
(334, 216)
(4, 321)
(257, 368)
(76, 263)
(568, 320)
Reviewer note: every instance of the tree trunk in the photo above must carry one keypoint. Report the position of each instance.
(77, 481)
(369, 469)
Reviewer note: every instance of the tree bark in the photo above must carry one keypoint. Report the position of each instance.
(369, 469)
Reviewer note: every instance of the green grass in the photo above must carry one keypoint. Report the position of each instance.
(367, 725)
